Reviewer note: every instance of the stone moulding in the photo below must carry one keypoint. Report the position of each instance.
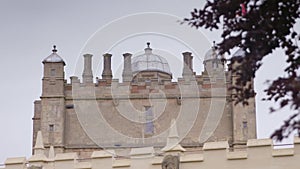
(144, 152)
(238, 155)
(66, 157)
(191, 158)
(103, 154)
(215, 145)
(121, 163)
(283, 152)
(259, 142)
(15, 160)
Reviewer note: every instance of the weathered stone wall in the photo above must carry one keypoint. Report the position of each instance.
(121, 110)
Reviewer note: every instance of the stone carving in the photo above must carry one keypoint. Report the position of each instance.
(170, 162)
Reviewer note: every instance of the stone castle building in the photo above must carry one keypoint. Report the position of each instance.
(91, 114)
(147, 121)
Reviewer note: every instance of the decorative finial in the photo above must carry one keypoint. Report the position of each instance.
(173, 139)
(214, 48)
(54, 49)
(148, 44)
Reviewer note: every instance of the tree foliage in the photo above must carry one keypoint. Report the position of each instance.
(258, 27)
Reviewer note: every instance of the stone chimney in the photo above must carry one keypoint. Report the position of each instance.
(127, 72)
(87, 74)
(187, 64)
(107, 73)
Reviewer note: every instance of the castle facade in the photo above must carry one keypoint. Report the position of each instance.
(90, 114)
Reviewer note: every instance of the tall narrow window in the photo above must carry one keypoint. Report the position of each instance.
(51, 127)
(149, 127)
(245, 124)
(52, 72)
(245, 130)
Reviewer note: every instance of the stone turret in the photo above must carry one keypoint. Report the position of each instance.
(244, 117)
(53, 80)
(52, 119)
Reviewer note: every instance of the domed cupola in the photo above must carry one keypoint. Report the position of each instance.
(54, 57)
(150, 67)
(213, 60)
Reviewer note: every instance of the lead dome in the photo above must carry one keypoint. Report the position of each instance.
(211, 54)
(149, 62)
(54, 57)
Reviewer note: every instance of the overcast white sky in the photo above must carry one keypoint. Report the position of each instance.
(30, 28)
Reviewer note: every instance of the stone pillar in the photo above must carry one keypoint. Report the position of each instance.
(187, 64)
(87, 74)
(127, 72)
(107, 73)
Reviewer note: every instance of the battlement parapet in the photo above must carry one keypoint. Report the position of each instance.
(196, 79)
(112, 88)
(259, 153)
